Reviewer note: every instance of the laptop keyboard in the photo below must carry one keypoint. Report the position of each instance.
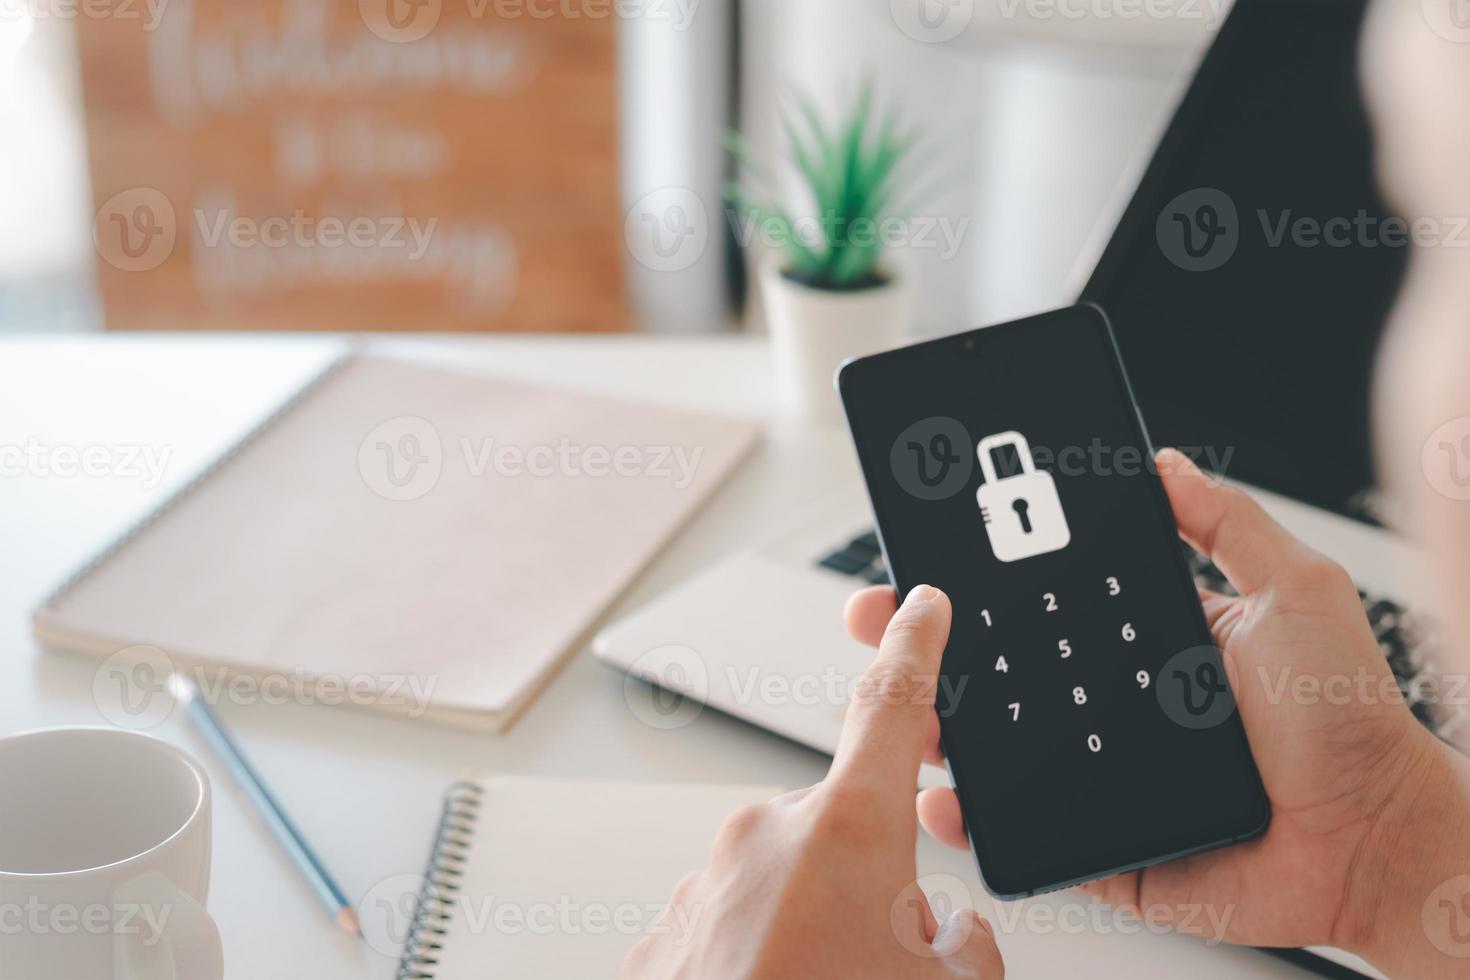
(1409, 640)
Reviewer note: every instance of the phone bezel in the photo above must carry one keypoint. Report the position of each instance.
(972, 343)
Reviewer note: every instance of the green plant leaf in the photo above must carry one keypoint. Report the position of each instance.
(799, 256)
(829, 164)
(811, 170)
(853, 170)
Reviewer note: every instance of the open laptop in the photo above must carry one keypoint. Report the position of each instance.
(1247, 347)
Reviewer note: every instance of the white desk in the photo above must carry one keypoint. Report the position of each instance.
(365, 788)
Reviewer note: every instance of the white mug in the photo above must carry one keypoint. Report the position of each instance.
(104, 859)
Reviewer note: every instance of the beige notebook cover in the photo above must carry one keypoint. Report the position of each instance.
(447, 538)
(552, 880)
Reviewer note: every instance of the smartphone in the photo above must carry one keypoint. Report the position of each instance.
(1085, 712)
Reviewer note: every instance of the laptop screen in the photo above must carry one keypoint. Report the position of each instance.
(1251, 276)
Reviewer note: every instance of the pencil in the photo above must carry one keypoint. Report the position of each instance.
(265, 804)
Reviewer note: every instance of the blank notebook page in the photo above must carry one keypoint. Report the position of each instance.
(562, 879)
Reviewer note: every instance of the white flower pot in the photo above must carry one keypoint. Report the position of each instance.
(813, 331)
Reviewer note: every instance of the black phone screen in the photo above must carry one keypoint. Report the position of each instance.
(1084, 710)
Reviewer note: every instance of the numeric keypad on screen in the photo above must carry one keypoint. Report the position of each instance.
(1077, 640)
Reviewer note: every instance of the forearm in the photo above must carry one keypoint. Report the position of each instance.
(1408, 910)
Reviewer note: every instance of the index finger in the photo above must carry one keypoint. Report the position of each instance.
(884, 735)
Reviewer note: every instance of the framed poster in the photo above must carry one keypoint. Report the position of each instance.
(355, 165)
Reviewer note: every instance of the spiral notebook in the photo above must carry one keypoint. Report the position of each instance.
(434, 542)
(551, 880)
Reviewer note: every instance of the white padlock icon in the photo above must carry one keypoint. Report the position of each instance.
(1022, 513)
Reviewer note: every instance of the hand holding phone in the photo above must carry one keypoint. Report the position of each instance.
(1084, 709)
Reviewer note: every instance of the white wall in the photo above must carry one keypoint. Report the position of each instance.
(1039, 128)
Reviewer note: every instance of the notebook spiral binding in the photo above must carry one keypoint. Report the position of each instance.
(123, 540)
(435, 903)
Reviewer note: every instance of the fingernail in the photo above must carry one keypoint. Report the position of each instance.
(1177, 458)
(920, 594)
(955, 932)
(1171, 462)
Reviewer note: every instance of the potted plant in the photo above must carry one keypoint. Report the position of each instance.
(828, 290)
